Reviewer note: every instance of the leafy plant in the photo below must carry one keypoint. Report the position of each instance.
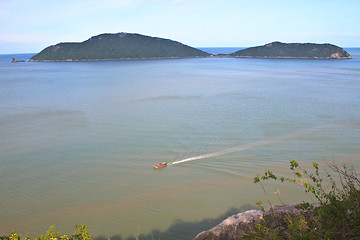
(82, 233)
(336, 215)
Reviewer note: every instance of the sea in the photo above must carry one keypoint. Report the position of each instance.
(78, 140)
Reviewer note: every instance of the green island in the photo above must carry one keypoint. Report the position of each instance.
(117, 46)
(294, 50)
(136, 46)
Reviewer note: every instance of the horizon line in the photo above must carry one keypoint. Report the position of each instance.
(190, 46)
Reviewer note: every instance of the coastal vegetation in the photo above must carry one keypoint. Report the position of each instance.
(82, 233)
(118, 46)
(294, 50)
(335, 215)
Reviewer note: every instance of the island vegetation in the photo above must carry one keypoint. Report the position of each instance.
(136, 46)
(294, 50)
(118, 46)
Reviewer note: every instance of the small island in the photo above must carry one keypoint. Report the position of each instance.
(118, 46)
(16, 60)
(293, 50)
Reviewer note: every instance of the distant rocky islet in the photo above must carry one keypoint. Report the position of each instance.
(136, 46)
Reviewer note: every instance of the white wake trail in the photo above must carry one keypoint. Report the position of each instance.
(259, 143)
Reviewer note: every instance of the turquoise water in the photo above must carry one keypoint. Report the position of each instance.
(78, 139)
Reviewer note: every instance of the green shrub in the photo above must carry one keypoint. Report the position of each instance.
(82, 233)
(336, 215)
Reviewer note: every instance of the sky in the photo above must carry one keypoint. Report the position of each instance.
(28, 26)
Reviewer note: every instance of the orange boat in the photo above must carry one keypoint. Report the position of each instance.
(160, 165)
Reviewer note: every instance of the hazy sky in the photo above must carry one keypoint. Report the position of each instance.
(28, 26)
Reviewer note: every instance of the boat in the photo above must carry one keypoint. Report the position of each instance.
(160, 165)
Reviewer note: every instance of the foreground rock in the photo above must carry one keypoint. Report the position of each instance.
(234, 227)
(294, 50)
(117, 46)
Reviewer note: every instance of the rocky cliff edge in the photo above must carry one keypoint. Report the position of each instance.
(234, 227)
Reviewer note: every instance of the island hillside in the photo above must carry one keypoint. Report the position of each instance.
(293, 50)
(117, 46)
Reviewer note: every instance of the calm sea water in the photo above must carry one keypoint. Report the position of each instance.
(78, 139)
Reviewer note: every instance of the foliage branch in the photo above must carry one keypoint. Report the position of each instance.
(336, 215)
